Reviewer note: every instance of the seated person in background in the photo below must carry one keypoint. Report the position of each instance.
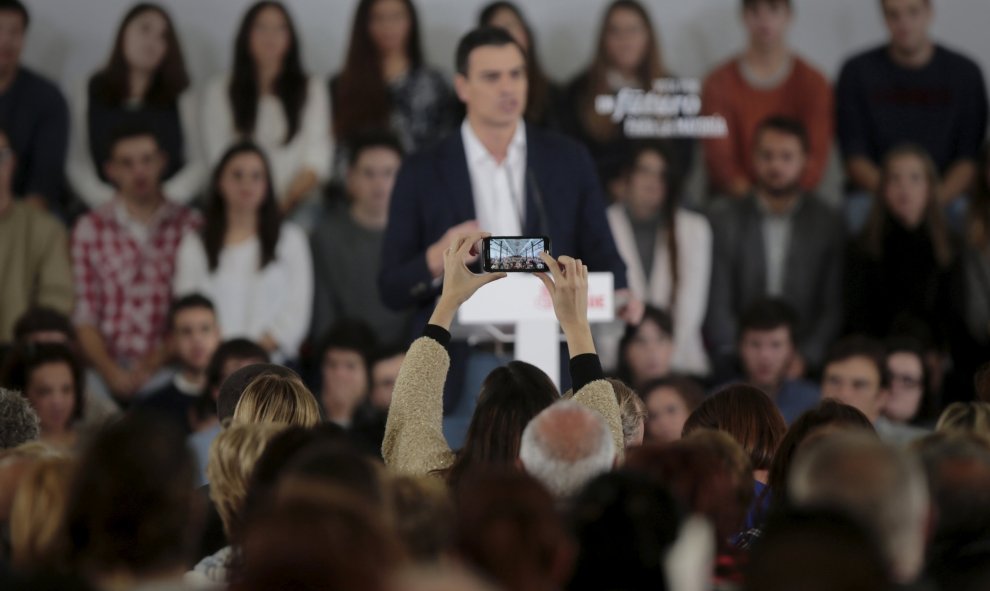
(368, 429)
(766, 351)
(780, 242)
(768, 78)
(345, 364)
(855, 373)
(123, 258)
(34, 269)
(247, 259)
(911, 400)
(910, 89)
(33, 115)
(268, 99)
(193, 336)
(669, 402)
(347, 246)
(646, 349)
(384, 371)
(50, 377)
(667, 250)
(145, 80)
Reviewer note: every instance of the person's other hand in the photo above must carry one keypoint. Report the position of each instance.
(435, 253)
(568, 289)
(632, 310)
(121, 383)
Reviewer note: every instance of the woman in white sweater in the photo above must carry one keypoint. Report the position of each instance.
(667, 250)
(269, 100)
(255, 268)
(145, 81)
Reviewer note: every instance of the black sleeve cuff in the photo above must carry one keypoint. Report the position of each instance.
(438, 334)
(585, 369)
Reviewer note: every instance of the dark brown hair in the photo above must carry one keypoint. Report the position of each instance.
(978, 215)
(22, 362)
(748, 415)
(111, 84)
(361, 99)
(290, 85)
(688, 389)
(751, 4)
(876, 228)
(598, 126)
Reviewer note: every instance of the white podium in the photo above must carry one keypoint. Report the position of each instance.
(521, 303)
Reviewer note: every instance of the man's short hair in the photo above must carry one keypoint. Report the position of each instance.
(188, 302)
(372, 139)
(129, 130)
(351, 335)
(785, 125)
(482, 37)
(882, 486)
(769, 314)
(565, 446)
(860, 346)
(43, 319)
(19, 423)
(18, 7)
(752, 4)
(239, 348)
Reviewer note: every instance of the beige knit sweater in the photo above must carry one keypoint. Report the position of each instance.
(414, 442)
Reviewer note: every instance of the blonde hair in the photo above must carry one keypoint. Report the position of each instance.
(965, 417)
(632, 410)
(277, 399)
(38, 511)
(233, 455)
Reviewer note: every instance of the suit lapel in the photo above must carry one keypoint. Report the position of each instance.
(452, 169)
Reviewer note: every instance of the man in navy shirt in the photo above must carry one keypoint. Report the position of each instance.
(34, 115)
(911, 90)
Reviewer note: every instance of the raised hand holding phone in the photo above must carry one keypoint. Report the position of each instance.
(568, 287)
(459, 282)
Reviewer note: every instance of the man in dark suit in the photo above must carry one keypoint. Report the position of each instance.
(777, 242)
(496, 174)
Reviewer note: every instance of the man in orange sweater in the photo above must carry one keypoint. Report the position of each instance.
(766, 79)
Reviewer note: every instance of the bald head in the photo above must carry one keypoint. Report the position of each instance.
(565, 446)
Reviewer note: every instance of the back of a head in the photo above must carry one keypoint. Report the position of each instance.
(19, 423)
(236, 383)
(37, 513)
(424, 516)
(565, 446)
(632, 412)
(133, 504)
(815, 550)
(748, 415)
(968, 417)
(271, 398)
(337, 467)
(879, 485)
(624, 524)
(509, 529)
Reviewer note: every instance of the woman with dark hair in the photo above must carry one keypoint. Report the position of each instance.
(667, 250)
(976, 264)
(144, 80)
(50, 376)
(510, 396)
(912, 399)
(255, 266)
(269, 100)
(669, 402)
(627, 56)
(385, 83)
(543, 95)
(646, 349)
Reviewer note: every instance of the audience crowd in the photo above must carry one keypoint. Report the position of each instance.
(229, 337)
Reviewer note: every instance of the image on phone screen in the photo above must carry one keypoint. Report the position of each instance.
(515, 254)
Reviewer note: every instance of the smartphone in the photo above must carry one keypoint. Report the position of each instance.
(514, 254)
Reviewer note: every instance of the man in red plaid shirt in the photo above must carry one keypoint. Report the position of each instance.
(123, 256)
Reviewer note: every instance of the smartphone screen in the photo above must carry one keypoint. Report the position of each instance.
(515, 254)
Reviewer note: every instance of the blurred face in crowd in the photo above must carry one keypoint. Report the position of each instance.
(648, 353)
(389, 26)
(371, 177)
(647, 185)
(507, 19)
(146, 41)
(51, 391)
(7, 161)
(345, 379)
(857, 382)
(779, 161)
(907, 375)
(244, 182)
(12, 29)
(667, 413)
(494, 88)
(626, 40)
(766, 355)
(135, 168)
(767, 23)
(270, 38)
(908, 22)
(907, 191)
(383, 376)
(195, 336)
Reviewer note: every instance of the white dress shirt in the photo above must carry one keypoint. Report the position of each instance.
(499, 188)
